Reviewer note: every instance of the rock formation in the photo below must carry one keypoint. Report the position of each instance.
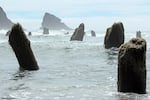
(5, 23)
(131, 66)
(53, 23)
(78, 33)
(114, 36)
(93, 33)
(21, 46)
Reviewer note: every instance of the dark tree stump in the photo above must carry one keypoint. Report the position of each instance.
(29, 34)
(93, 33)
(138, 34)
(131, 66)
(45, 31)
(114, 36)
(78, 33)
(21, 46)
(8, 32)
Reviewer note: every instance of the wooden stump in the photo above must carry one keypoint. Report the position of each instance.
(131, 66)
(114, 36)
(138, 34)
(93, 33)
(45, 31)
(78, 33)
(21, 46)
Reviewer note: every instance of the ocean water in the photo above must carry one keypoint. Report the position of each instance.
(69, 70)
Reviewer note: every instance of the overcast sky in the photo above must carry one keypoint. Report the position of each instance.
(96, 14)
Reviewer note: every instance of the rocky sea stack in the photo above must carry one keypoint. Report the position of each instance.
(5, 23)
(132, 66)
(114, 36)
(21, 46)
(52, 22)
(78, 33)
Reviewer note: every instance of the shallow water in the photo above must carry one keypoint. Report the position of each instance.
(69, 70)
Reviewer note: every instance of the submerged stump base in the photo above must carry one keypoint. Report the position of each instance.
(131, 66)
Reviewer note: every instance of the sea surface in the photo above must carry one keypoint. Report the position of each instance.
(69, 70)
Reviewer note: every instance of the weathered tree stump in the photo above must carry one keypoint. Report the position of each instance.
(114, 36)
(30, 33)
(79, 33)
(93, 33)
(138, 34)
(131, 66)
(45, 31)
(8, 32)
(21, 46)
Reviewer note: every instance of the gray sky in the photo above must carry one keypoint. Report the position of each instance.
(96, 14)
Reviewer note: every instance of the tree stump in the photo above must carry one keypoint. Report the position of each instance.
(78, 33)
(138, 34)
(93, 33)
(131, 66)
(45, 31)
(21, 46)
(114, 36)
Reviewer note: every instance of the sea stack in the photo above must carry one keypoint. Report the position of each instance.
(78, 33)
(131, 66)
(52, 22)
(5, 23)
(21, 46)
(114, 36)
